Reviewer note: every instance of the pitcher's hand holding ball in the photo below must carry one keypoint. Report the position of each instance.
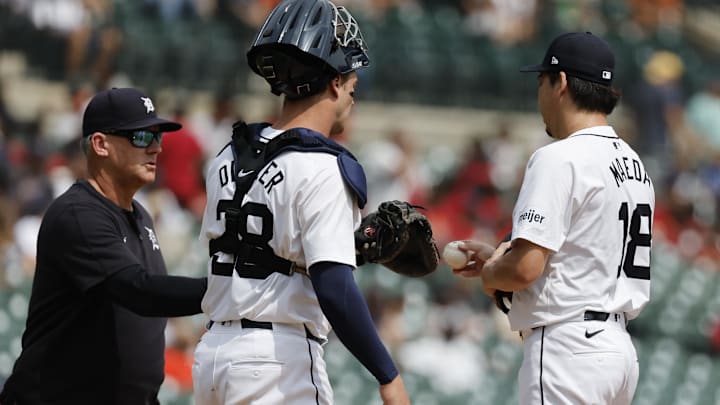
(455, 257)
(476, 253)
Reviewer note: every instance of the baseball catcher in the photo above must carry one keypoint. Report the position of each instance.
(399, 237)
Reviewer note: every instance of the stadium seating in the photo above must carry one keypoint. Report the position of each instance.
(417, 56)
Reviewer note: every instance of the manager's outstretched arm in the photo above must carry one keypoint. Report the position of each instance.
(156, 295)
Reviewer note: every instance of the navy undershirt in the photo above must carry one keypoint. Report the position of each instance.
(344, 306)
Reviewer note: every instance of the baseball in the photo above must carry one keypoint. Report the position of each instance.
(455, 257)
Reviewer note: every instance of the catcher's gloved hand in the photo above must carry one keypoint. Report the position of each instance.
(398, 237)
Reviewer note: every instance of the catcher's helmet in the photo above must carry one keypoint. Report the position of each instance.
(305, 43)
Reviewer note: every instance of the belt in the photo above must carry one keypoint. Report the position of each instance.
(250, 324)
(601, 316)
(261, 273)
(587, 316)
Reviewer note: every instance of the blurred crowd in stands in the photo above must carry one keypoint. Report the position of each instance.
(90, 34)
(468, 193)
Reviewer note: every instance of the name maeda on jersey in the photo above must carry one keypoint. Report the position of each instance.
(625, 168)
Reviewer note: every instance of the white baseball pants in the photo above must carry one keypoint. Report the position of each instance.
(583, 362)
(235, 365)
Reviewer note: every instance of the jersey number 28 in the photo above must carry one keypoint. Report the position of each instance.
(631, 228)
(250, 209)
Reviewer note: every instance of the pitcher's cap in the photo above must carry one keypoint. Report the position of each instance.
(122, 109)
(578, 54)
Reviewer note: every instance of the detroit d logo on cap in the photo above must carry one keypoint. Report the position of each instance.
(148, 104)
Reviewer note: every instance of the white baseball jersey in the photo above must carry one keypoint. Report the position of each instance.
(312, 214)
(588, 199)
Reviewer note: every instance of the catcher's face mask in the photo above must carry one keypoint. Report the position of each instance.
(350, 41)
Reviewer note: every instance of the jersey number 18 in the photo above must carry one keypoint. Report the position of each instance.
(637, 239)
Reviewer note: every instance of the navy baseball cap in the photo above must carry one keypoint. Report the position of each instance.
(578, 54)
(122, 109)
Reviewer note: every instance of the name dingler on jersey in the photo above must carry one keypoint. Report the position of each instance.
(531, 216)
(622, 171)
(276, 178)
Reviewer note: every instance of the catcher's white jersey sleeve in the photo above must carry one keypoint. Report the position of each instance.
(312, 215)
(588, 199)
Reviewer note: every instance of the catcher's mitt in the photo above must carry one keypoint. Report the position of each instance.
(399, 237)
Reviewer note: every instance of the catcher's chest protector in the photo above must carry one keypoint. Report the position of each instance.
(251, 155)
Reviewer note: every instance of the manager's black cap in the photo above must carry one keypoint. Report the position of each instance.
(122, 109)
(579, 54)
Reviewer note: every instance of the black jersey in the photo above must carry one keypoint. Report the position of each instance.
(79, 347)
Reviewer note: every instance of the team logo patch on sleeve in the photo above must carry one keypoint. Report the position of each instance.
(531, 216)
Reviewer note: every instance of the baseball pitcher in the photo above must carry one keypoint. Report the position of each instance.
(578, 263)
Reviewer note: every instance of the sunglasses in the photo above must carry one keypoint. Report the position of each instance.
(140, 138)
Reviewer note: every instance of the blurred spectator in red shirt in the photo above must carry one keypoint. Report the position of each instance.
(181, 167)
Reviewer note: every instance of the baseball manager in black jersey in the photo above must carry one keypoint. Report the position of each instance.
(95, 327)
